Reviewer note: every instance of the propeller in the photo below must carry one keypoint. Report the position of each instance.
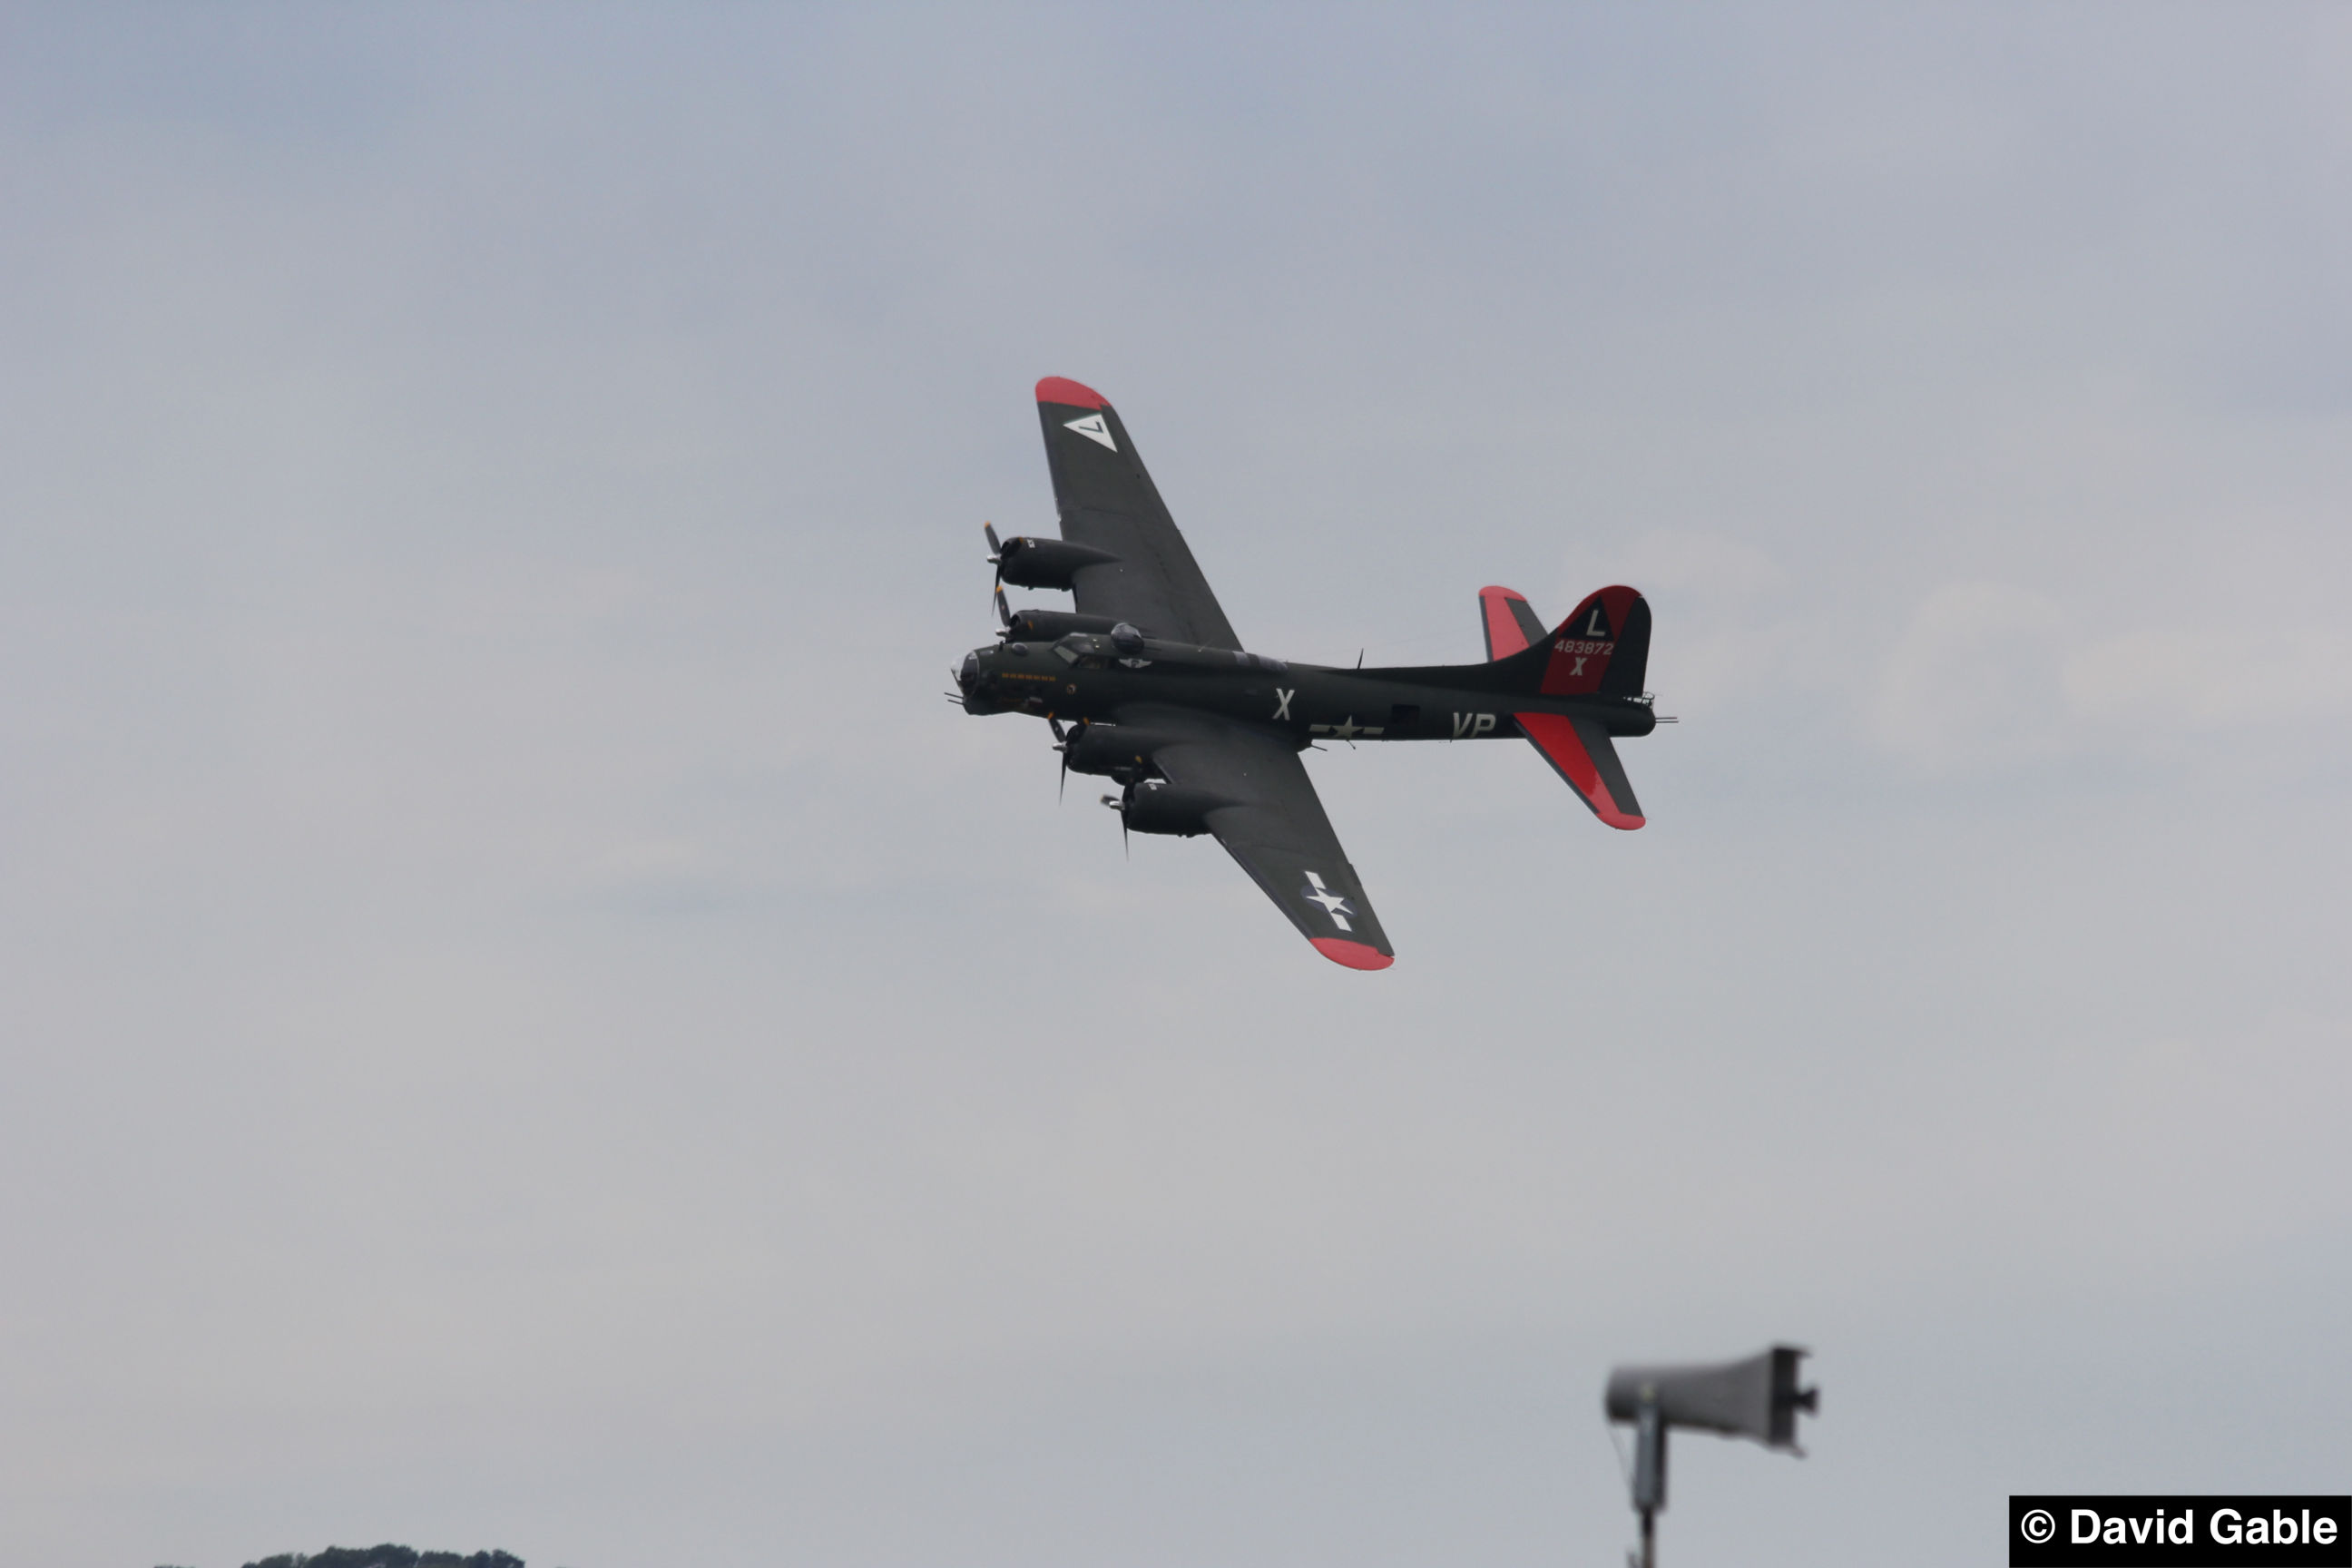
(1063, 741)
(996, 559)
(1125, 845)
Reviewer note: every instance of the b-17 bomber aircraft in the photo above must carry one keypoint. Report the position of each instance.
(1147, 685)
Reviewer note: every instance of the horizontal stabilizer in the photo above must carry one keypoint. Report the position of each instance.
(1582, 753)
(1508, 620)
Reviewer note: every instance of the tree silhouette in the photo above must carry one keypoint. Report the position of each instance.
(388, 1556)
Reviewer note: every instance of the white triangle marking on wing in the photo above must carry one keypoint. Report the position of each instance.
(1093, 428)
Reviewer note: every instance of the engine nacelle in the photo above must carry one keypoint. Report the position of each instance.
(1028, 562)
(1053, 626)
(1122, 752)
(1155, 805)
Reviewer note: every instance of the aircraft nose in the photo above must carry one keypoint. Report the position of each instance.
(969, 675)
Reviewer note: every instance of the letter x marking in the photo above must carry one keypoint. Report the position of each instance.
(1282, 708)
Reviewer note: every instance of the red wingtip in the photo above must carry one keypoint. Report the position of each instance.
(1354, 954)
(1058, 389)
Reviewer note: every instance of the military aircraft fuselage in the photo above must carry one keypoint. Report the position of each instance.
(1095, 679)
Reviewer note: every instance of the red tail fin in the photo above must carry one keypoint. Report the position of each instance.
(1602, 647)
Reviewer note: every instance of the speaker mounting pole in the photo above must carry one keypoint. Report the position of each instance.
(1649, 1473)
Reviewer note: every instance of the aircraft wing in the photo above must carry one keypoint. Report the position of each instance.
(1277, 831)
(1109, 503)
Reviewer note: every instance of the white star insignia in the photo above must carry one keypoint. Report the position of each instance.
(1333, 904)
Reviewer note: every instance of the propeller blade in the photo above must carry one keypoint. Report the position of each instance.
(1063, 741)
(996, 559)
(1118, 802)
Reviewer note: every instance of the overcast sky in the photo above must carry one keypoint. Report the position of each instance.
(527, 1022)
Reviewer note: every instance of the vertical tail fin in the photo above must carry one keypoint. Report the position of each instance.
(1601, 649)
